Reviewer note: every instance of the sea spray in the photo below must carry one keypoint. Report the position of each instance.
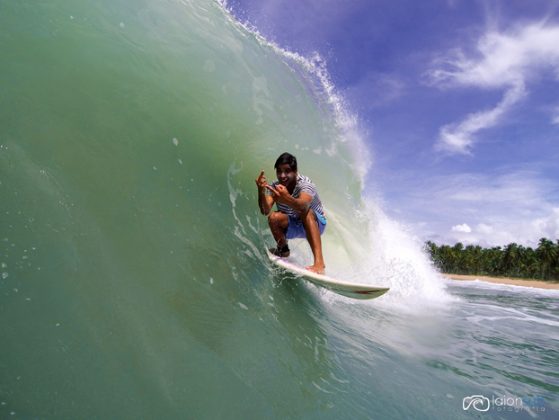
(362, 244)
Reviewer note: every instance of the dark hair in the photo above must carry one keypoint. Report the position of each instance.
(286, 158)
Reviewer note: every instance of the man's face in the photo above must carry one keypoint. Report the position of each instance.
(286, 176)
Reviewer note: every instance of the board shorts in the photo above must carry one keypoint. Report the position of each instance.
(295, 229)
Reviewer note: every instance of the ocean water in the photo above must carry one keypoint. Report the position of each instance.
(133, 281)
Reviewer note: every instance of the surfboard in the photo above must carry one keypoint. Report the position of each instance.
(351, 290)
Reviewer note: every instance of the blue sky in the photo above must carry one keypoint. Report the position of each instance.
(458, 101)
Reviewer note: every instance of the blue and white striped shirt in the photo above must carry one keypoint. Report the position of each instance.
(304, 184)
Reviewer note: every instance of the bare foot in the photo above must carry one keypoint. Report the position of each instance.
(318, 269)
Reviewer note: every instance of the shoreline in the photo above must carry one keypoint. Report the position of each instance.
(539, 284)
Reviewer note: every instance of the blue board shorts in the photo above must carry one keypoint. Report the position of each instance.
(295, 229)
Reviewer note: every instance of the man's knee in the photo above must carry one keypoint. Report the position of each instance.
(277, 218)
(273, 218)
(310, 217)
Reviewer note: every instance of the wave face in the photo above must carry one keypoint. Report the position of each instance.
(134, 282)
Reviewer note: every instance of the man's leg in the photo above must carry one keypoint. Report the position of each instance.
(313, 236)
(278, 223)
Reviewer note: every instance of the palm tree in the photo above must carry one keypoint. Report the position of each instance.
(510, 260)
(493, 262)
(457, 253)
(514, 259)
(547, 254)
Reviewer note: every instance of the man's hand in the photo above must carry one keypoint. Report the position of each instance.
(265, 202)
(261, 181)
(280, 193)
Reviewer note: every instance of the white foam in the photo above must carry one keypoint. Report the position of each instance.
(315, 72)
(498, 286)
(361, 244)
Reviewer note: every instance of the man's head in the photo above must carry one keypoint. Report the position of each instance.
(287, 158)
(286, 169)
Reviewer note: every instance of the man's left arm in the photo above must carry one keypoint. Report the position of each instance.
(300, 204)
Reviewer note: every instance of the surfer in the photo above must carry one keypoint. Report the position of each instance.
(300, 213)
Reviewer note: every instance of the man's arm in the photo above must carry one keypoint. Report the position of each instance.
(265, 201)
(281, 195)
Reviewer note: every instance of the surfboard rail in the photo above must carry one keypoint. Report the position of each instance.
(348, 289)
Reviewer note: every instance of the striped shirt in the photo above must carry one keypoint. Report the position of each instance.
(304, 184)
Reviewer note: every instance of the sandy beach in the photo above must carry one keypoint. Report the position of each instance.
(505, 280)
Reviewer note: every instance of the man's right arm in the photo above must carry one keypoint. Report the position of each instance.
(265, 201)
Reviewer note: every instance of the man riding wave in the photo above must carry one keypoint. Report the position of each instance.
(299, 210)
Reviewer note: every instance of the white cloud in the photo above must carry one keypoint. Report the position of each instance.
(484, 229)
(506, 61)
(526, 231)
(460, 137)
(461, 228)
(548, 226)
(517, 207)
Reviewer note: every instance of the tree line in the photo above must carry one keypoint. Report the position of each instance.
(513, 260)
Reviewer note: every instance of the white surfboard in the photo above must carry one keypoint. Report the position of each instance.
(352, 290)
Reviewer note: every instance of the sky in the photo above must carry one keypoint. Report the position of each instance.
(458, 101)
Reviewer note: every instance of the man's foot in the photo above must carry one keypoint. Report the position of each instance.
(280, 251)
(315, 268)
